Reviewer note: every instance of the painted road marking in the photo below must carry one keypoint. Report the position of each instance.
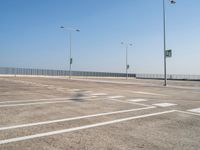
(164, 104)
(6, 141)
(137, 100)
(75, 118)
(93, 96)
(25, 82)
(88, 92)
(27, 104)
(128, 102)
(61, 89)
(190, 113)
(147, 93)
(35, 100)
(115, 82)
(99, 94)
(113, 97)
(41, 100)
(196, 110)
(74, 90)
(41, 103)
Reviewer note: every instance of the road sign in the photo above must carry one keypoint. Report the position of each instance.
(128, 66)
(168, 53)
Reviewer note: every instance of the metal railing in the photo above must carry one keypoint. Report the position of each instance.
(169, 77)
(48, 72)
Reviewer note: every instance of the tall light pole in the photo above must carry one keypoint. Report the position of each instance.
(164, 38)
(70, 47)
(127, 66)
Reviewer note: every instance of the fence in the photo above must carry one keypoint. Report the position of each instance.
(47, 72)
(169, 77)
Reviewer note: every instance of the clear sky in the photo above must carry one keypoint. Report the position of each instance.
(30, 35)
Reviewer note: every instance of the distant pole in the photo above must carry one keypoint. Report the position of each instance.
(126, 62)
(15, 69)
(70, 48)
(70, 54)
(164, 40)
(127, 66)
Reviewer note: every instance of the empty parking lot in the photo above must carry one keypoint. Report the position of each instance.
(57, 114)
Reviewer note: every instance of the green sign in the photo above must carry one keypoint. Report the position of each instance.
(71, 60)
(128, 66)
(168, 53)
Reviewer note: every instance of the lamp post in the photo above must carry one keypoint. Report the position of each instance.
(127, 66)
(164, 38)
(70, 47)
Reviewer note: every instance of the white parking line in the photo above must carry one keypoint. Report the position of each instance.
(196, 110)
(164, 104)
(190, 113)
(74, 90)
(128, 102)
(147, 93)
(88, 92)
(137, 100)
(41, 103)
(25, 82)
(75, 118)
(113, 97)
(115, 82)
(99, 94)
(35, 100)
(93, 96)
(41, 100)
(6, 141)
(62, 88)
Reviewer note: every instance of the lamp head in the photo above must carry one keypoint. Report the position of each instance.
(172, 1)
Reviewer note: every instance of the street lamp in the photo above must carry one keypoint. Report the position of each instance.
(127, 65)
(70, 47)
(164, 38)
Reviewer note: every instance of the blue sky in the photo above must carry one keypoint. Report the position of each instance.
(30, 35)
